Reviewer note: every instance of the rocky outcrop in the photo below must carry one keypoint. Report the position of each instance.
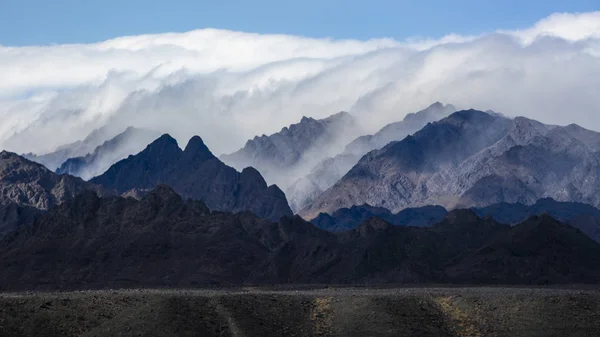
(130, 141)
(26, 183)
(197, 174)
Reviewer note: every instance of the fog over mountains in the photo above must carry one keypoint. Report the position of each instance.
(472, 158)
(328, 171)
(199, 82)
(440, 196)
(292, 152)
(130, 141)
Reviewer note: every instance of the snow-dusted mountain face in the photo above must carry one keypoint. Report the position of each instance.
(328, 171)
(284, 156)
(472, 159)
(130, 141)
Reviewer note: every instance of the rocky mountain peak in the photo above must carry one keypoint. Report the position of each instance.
(340, 117)
(470, 117)
(305, 119)
(433, 112)
(197, 149)
(163, 147)
(251, 175)
(195, 174)
(164, 141)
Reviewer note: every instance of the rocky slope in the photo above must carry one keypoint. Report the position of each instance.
(130, 141)
(14, 217)
(196, 173)
(327, 172)
(26, 183)
(398, 130)
(472, 159)
(162, 240)
(395, 177)
(295, 149)
(541, 250)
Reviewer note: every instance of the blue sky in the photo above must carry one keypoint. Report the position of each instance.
(43, 22)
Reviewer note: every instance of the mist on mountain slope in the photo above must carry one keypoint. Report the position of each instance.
(230, 86)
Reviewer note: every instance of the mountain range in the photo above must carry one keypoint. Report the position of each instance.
(472, 159)
(295, 149)
(350, 218)
(130, 141)
(92, 242)
(54, 159)
(440, 197)
(581, 216)
(328, 171)
(196, 173)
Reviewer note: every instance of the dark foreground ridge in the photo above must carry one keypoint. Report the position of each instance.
(165, 241)
(458, 312)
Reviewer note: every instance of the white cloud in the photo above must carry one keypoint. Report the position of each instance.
(229, 86)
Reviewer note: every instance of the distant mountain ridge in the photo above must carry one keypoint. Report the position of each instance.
(327, 172)
(350, 218)
(54, 159)
(472, 159)
(130, 141)
(196, 173)
(581, 216)
(294, 149)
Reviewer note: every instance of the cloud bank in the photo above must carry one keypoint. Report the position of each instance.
(230, 86)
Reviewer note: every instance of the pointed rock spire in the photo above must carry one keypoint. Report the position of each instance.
(196, 149)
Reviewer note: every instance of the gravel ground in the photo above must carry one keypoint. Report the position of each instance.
(283, 311)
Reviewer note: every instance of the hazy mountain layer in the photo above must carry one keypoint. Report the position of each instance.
(472, 159)
(130, 141)
(196, 173)
(54, 159)
(292, 152)
(327, 172)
